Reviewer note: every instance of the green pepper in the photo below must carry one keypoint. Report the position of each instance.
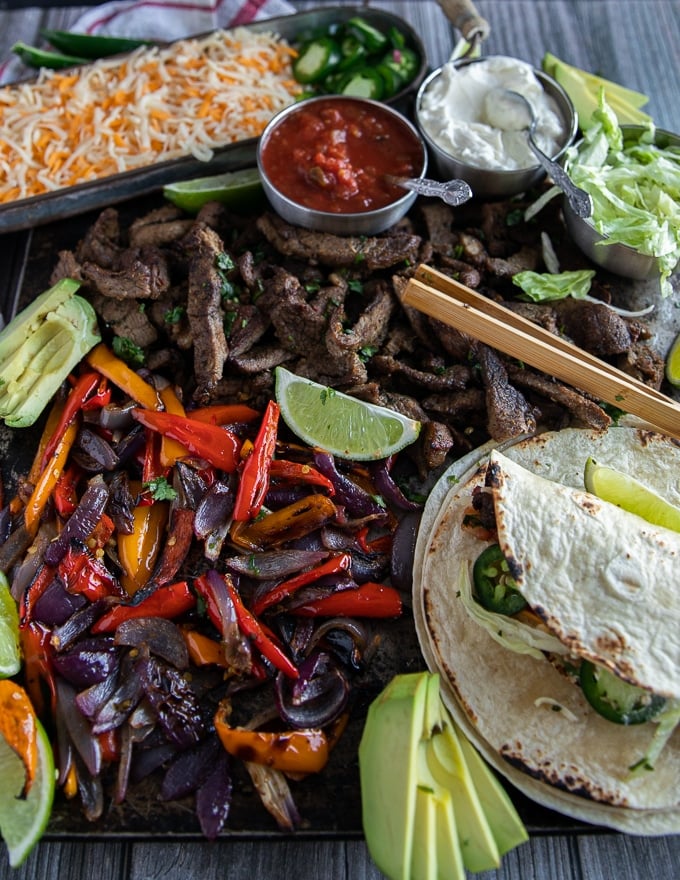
(616, 699)
(391, 79)
(364, 83)
(353, 53)
(42, 58)
(316, 59)
(370, 36)
(404, 62)
(495, 588)
(90, 46)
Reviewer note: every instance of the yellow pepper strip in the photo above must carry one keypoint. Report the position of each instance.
(171, 450)
(117, 371)
(291, 751)
(48, 479)
(137, 552)
(16, 504)
(71, 782)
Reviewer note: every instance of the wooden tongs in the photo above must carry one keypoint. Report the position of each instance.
(453, 303)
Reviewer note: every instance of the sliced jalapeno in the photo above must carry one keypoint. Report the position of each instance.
(34, 57)
(90, 45)
(495, 588)
(364, 83)
(371, 37)
(615, 699)
(316, 60)
(353, 53)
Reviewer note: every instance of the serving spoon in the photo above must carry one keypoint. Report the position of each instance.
(511, 111)
(453, 192)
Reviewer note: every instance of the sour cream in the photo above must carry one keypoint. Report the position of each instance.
(453, 113)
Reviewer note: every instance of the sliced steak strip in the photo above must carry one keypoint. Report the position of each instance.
(586, 411)
(204, 308)
(508, 412)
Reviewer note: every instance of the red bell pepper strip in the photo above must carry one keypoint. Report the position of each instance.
(368, 600)
(264, 641)
(381, 544)
(281, 591)
(64, 495)
(295, 471)
(79, 394)
(101, 396)
(152, 467)
(168, 601)
(224, 414)
(254, 481)
(36, 650)
(83, 573)
(33, 592)
(218, 446)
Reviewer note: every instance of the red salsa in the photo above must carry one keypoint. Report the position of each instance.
(334, 154)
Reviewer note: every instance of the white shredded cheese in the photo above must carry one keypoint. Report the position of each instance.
(189, 98)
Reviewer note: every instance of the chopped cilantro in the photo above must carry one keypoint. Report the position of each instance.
(128, 351)
(160, 489)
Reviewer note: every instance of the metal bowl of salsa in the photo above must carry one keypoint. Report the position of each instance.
(326, 164)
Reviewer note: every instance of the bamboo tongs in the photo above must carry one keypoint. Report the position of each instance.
(453, 303)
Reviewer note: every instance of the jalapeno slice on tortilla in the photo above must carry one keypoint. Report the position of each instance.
(615, 699)
(495, 588)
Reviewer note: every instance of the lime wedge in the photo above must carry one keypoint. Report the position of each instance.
(631, 495)
(23, 821)
(10, 650)
(240, 190)
(673, 363)
(338, 423)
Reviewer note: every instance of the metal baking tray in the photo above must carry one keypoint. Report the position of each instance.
(67, 202)
(330, 802)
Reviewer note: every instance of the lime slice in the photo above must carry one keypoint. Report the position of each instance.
(23, 821)
(673, 362)
(240, 190)
(631, 495)
(338, 423)
(10, 650)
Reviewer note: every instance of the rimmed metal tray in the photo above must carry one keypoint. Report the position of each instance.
(67, 202)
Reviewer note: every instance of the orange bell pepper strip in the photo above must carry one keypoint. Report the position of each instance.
(124, 377)
(254, 481)
(36, 650)
(224, 414)
(138, 551)
(218, 446)
(287, 524)
(291, 751)
(19, 728)
(48, 479)
(171, 449)
(203, 650)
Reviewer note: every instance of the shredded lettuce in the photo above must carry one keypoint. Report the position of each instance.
(550, 286)
(507, 631)
(635, 187)
(544, 287)
(666, 722)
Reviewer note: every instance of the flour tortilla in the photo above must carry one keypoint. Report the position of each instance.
(570, 760)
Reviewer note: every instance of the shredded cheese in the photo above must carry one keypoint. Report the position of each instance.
(111, 116)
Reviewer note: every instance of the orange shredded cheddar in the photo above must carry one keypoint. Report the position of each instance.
(160, 103)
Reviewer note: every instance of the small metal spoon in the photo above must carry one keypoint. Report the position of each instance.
(453, 192)
(507, 109)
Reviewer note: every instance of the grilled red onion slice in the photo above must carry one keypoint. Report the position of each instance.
(213, 798)
(317, 697)
(82, 521)
(93, 453)
(351, 496)
(162, 637)
(79, 731)
(88, 662)
(270, 565)
(388, 488)
(189, 770)
(403, 550)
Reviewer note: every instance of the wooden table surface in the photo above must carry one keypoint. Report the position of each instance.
(635, 42)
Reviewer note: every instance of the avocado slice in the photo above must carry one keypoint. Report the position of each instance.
(388, 772)
(448, 767)
(592, 81)
(29, 319)
(507, 828)
(35, 369)
(424, 852)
